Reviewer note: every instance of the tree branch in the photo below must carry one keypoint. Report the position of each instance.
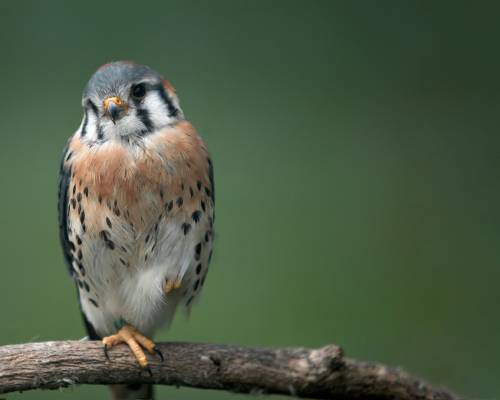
(322, 373)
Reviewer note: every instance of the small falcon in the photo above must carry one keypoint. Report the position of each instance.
(136, 207)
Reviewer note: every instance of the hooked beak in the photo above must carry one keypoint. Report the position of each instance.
(114, 107)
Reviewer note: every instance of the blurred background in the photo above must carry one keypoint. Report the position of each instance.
(356, 150)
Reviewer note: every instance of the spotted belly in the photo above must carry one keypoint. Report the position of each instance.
(125, 254)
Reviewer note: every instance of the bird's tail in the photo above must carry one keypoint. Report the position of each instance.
(135, 391)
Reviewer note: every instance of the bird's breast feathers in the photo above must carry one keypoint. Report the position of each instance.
(115, 168)
(137, 217)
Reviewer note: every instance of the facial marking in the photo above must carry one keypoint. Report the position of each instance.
(158, 110)
(124, 100)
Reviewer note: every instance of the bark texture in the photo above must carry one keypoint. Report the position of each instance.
(312, 373)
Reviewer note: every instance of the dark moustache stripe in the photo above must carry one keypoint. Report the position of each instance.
(172, 110)
(143, 115)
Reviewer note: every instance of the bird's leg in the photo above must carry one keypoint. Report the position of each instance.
(135, 340)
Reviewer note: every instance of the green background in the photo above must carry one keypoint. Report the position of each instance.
(356, 150)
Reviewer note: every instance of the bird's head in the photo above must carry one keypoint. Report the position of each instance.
(123, 99)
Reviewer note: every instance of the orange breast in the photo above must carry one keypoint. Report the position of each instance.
(170, 165)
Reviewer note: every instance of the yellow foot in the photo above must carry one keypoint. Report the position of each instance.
(136, 341)
(171, 284)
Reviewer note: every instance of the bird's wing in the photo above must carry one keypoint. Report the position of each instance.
(62, 207)
(211, 177)
(66, 244)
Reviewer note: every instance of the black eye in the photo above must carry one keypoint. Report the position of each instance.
(139, 91)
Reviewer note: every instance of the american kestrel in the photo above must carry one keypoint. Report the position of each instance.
(136, 207)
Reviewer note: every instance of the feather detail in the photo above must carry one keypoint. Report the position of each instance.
(137, 216)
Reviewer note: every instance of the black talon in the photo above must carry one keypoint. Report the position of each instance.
(148, 368)
(157, 351)
(106, 352)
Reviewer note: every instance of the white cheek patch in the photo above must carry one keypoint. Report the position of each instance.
(157, 109)
(88, 128)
